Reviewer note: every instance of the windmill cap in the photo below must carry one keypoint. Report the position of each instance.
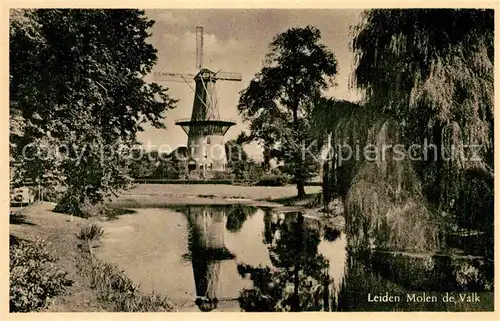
(205, 73)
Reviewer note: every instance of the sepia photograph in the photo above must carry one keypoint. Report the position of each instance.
(251, 160)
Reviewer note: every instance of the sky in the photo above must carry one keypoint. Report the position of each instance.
(235, 40)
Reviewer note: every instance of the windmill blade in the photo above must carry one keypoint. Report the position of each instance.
(170, 76)
(231, 76)
(199, 48)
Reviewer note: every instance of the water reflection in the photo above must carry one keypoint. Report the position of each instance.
(207, 250)
(207, 246)
(401, 274)
(262, 260)
(299, 278)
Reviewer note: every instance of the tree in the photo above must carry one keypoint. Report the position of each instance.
(428, 82)
(143, 163)
(77, 83)
(432, 71)
(279, 101)
(235, 152)
(335, 123)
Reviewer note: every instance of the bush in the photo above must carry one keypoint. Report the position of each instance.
(273, 179)
(71, 204)
(53, 193)
(85, 209)
(90, 232)
(222, 175)
(34, 278)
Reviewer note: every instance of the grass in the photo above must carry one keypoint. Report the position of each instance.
(58, 230)
(115, 290)
(174, 193)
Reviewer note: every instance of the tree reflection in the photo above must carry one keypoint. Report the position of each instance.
(398, 274)
(237, 215)
(298, 279)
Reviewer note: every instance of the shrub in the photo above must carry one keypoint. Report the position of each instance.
(53, 193)
(273, 179)
(34, 278)
(222, 175)
(90, 232)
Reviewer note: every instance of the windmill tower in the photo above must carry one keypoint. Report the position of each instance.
(205, 129)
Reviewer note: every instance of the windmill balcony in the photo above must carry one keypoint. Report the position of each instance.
(187, 120)
(205, 127)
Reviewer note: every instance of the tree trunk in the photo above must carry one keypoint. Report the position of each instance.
(301, 192)
(326, 293)
(327, 172)
(298, 171)
(326, 186)
(266, 164)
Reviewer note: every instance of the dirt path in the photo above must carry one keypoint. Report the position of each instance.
(38, 220)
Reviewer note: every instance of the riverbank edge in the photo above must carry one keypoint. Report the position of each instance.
(82, 266)
(60, 231)
(115, 291)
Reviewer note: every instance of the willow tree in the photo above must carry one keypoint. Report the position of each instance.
(433, 70)
(385, 207)
(77, 86)
(279, 101)
(338, 125)
(430, 74)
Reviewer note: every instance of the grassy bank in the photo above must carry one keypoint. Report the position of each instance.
(92, 285)
(58, 231)
(158, 195)
(114, 289)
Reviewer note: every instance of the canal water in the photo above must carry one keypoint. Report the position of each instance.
(241, 258)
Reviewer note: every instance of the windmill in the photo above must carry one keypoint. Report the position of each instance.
(205, 129)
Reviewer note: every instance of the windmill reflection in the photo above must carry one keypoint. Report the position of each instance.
(208, 226)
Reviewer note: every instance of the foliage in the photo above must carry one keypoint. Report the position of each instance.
(428, 81)
(90, 232)
(234, 149)
(153, 164)
(143, 163)
(278, 102)
(433, 71)
(34, 278)
(170, 168)
(77, 87)
(239, 163)
(273, 178)
(222, 175)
